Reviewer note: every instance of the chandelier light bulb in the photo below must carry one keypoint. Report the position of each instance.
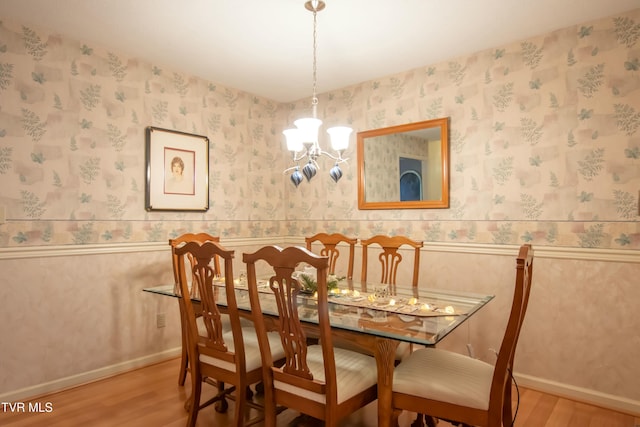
(308, 130)
(294, 142)
(339, 137)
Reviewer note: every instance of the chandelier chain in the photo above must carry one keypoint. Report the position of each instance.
(314, 99)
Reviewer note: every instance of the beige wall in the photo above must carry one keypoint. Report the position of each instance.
(544, 149)
(74, 314)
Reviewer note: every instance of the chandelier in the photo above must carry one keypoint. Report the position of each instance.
(302, 141)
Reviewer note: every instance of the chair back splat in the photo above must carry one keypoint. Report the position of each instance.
(330, 249)
(191, 237)
(319, 380)
(390, 257)
(455, 387)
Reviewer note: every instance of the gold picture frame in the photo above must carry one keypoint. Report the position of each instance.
(177, 171)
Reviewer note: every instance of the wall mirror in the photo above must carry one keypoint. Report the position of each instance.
(404, 166)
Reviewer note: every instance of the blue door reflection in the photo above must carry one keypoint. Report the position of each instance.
(410, 179)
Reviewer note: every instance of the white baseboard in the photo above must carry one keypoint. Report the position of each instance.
(87, 377)
(616, 403)
(579, 394)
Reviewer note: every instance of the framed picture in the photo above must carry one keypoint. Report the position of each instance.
(177, 171)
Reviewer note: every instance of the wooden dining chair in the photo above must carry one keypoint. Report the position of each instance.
(329, 249)
(218, 356)
(318, 380)
(188, 237)
(390, 258)
(458, 388)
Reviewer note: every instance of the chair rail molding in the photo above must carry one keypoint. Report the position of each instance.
(112, 248)
(556, 252)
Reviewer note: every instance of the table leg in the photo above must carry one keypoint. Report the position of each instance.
(429, 421)
(418, 421)
(385, 354)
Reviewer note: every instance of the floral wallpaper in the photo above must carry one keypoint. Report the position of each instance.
(72, 145)
(544, 135)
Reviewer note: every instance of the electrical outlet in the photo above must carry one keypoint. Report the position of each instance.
(472, 353)
(161, 320)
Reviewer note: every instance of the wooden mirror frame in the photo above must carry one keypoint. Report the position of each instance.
(443, 202)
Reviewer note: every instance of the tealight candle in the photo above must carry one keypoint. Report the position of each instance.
(356, 293)
(413, 301)
(449, 310)
(392, 302)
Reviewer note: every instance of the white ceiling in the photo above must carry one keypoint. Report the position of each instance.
(265, 46)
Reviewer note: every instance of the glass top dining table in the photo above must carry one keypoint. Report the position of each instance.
(419, 316)
(373, 317)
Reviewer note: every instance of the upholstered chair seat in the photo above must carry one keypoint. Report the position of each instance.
(453, 377)
(354, 373)
(253, 359)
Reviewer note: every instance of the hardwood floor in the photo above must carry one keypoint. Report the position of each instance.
(151, 397)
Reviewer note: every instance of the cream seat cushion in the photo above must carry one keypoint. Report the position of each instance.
(445, 376)
(226, 324)
(354, 372)
(253, 359)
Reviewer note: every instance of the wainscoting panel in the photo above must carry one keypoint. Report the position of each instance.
(72, 314)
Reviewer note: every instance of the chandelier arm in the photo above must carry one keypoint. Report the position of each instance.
(284, 172)
(296, 158)
(337, 158)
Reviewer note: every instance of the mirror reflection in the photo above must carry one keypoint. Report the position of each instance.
(404, 167)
